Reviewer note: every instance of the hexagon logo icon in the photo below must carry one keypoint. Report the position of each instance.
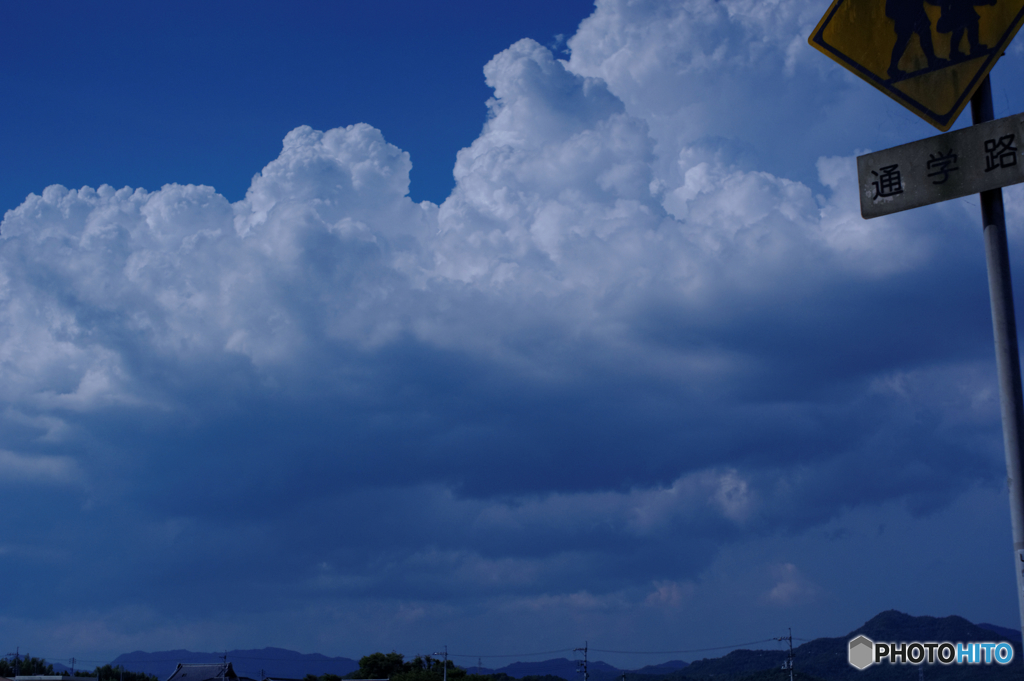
(862, 652)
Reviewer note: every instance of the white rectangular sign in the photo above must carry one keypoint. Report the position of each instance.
(968, 161)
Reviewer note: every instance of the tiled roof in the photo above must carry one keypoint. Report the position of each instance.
(202, 672)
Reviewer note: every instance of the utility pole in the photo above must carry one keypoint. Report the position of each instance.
(16, 655)
(1004, 326)
(582, 666)
(788, 664)
(445, 653)
(72, 666)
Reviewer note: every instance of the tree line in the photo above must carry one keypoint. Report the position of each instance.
(26, 666)
(394, 666)
(391, 666)
(36, 666)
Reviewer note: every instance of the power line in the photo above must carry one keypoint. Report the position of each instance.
(673, 652)
(214, 656)
(544, 652)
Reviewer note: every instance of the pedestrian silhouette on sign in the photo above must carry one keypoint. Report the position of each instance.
(909, 18)
(959, 16)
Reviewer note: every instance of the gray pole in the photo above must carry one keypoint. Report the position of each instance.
(445, 653)
(1004, 328)
(586, 675)
(790, 654)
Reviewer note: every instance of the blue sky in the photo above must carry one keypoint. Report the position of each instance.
(202, 93)
(344, 327)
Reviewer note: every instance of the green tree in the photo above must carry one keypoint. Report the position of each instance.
(119, 673)
(380, 666)
(421, 668)
(426, 668)
(26, 666)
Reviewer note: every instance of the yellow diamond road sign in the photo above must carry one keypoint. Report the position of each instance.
(929, 55)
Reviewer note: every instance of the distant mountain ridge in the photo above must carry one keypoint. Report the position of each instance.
(822, 658)
(663, 668)
(256, 664)
(1008, 634)
(560, 667)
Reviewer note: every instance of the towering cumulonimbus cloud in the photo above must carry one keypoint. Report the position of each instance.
(646, 359)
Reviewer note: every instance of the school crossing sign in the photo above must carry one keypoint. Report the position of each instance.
(929, 55)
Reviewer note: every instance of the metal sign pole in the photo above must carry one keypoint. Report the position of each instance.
(1004, 327)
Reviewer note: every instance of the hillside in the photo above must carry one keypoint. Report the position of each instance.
(820, 659)
(826, 658)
